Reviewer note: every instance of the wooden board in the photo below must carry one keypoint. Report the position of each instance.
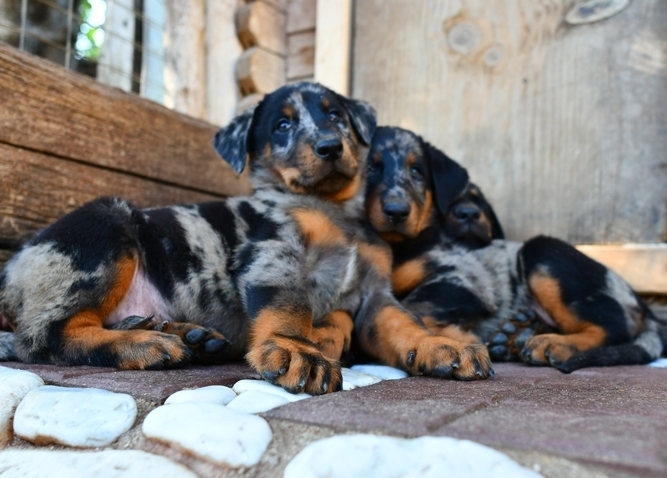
(643, 266)
(49, 109)
(300, 55)
(260, 71)
(39, 188)
(333, 31)
(563, 127)
(260, 24)
(301, 15)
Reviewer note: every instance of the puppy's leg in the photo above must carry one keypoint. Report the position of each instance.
(333, 334)
(580, 295)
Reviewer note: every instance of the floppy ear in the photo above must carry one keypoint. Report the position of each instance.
(363, 117)
(231, 142)
(496, 228)
(449, 177)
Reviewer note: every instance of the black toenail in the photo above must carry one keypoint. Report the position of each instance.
(411, 357)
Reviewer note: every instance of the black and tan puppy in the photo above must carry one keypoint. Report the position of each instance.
(278, 276)
(452, 268)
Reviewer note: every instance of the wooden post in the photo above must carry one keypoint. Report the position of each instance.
(332, 39)
(152, 70)
(184, 78)
(116, 59)
(222, 52)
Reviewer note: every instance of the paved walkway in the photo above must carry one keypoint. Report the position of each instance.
(594, 422)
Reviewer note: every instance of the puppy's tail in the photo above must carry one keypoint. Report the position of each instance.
(7, 350)
(647, 347)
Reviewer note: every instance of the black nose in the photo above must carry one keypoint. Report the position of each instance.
(329, 149)
(466, 213)
(396, 211)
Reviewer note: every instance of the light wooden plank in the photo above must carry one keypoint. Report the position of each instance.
(260, 71)
(47, 108)
(259, 24)
(38, 189)
(184, 75)
(280, 5)
(301, 15)
(333, 32)
(115, 65)
(562, 126)
(248, 102)
(643, 266)
(223, 50)
(300, 55)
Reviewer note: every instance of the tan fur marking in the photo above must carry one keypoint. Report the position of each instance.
(334, 335)
(407, 276)
(546, 291)
(317, 228)
(450, 331)
(379, 257)
(348, 192)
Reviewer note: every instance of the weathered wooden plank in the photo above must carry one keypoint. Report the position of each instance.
(301, 15)
(280, 5)
(644, 266)
(259, 24)
(260, 71)
(185, 50)
(39, 188)
(300, 55)
(333, 32)
(222, 52)
(248, 102)
(562, 126)
(47, 108)
(116, 63)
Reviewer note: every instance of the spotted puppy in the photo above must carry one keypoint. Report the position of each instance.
(452, 267)
(278, 276)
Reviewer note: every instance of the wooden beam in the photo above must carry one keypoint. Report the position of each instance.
(260, 71)
(259, 24)
(332, 39)
(49, 109)
(116, 63)
(643, 266)
(222, 52)
(40, 188)
(300, 55)
(184, 76)
(301, 15)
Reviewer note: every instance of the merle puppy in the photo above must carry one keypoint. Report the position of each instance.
(453, 268)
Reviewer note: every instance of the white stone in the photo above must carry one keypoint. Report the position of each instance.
(102, 464)
(214, 394)
(257, 402)
(660, 363)
(14, 385)
(355, 379)
(82, 417)
(212, 432)
(383, 372)
(371, 456)
(246, 385)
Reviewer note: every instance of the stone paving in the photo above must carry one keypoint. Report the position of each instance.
(594, 422)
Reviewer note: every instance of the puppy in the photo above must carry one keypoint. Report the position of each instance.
(453, 268)
(278, 276)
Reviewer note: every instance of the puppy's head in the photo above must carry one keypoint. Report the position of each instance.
(409, 183)
(471, 221)
(303, 137)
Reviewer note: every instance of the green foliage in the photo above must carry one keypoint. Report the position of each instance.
(90, 39)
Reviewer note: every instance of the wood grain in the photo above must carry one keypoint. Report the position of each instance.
(333, 32)
(562, 126)
(260, 71)
(643, 266)
(49, 109)
(301, 15)
(301, 55)
(259, 24)
(39, 188)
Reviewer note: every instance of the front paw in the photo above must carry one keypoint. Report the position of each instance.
(548, 349)
(296, 364)
(440, 357)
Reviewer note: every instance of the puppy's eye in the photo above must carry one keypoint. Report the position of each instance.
(334, 115)
(283, 125)
(415, 172)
